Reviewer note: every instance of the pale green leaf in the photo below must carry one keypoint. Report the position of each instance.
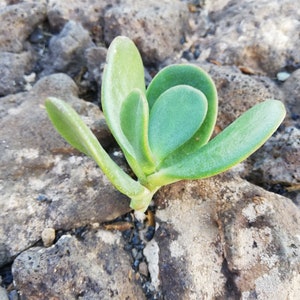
(234, 144)
(195, 77)
(71, 127)
(134, 117)
(123, 73)
(174, 118)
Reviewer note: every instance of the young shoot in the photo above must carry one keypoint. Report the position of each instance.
(164, 131)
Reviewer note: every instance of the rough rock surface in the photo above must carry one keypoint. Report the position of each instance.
(43, 182)
(140, 23)
(92, 267)
(247, 34)
(239, 91)
(225, 238)
(13, 67)
(17, 23)
(220, 238)
(66, 50)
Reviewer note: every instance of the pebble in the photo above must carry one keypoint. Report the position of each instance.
(143, 269)
(48, 236)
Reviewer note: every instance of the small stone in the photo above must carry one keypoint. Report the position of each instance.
(143, 269)
(3, 294)
(283, 76)
(48, 236)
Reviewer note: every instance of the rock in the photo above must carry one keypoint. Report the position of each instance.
(89, 13)
(143, 23)
(17, 22)
(95, 267)
(96, 58)
(225, 238)
(238, 92)
(247, 34)
(276, 166)
(291, 89)
(3, 294)
(48, 236)
(66, 50)
(13, 67)
(44, 182)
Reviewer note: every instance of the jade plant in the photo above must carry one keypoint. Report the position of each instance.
(164, 131)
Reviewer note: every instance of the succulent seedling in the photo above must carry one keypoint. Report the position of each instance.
(164, 131)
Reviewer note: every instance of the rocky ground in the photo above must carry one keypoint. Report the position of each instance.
(233, 236)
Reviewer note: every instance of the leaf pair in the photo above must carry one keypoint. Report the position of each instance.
(164, 131)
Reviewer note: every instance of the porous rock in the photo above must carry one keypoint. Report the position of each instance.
(94, 267)
(224, 238)
(250, 34)
(17, 22)
(13, 67)
(89, 13)
(276, 166)
(66, 50)
(237, 92)
(291, 89)
(155, 26)
(44, 182)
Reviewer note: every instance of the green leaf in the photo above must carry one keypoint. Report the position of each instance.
(231, 146)
(195, 77)
(71, 127)
(174, 118)
(134, 117)
(123, 73)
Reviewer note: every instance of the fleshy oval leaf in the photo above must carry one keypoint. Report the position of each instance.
(134, 117)
(174, 118)
(123, 73)
(234, 144)
(197, 78)
(71, 127)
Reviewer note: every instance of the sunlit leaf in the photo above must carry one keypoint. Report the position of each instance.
(71, 127)
(195, 77)
(234, 144)
(175, 117)
(123, 73)
(134, 117)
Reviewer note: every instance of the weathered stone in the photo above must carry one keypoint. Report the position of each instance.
(248, 34)
(66, 50)
(156, 26)
(225, 238)
(48, 236)
(44, 182)
(13, 67)
(291, 89)
(276, 166)
(96, 58)
(17, 22)
(88, 13)
(95, 267)
(238, 92)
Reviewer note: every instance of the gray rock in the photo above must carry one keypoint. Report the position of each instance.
(96, 58)
(89, 13)
(66, 50)
(238, 92)
(291, 89)
(3, 294)
(155, 26)
(44, 182)
(17, 22)
(225, 238)
(249, 34)
(13, 67)
(276, 166)
(95, 267)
